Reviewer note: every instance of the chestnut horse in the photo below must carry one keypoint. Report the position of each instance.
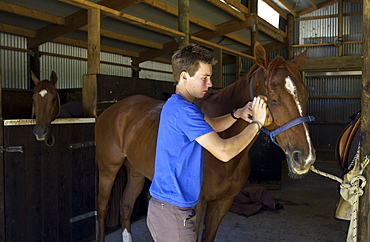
(126, 133)
(46, 106)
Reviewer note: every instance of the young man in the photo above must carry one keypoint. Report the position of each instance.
(183, 133)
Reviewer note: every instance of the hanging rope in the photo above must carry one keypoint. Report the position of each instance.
(351, 192)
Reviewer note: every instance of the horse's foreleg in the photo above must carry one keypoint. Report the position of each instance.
(215, 212)
(134, 186)
(200, 207)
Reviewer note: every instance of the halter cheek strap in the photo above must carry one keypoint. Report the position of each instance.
(286, 126)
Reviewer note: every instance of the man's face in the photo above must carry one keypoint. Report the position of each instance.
(198, 85)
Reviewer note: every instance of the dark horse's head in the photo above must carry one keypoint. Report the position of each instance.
(45, 104)
(281, 82)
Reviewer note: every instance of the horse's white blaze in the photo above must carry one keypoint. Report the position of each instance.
(291, 88)
(43, 92)
(126, 236)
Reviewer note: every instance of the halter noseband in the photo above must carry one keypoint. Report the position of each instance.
(286, 126)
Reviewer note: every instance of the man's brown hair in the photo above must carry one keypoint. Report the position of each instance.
(187, 59)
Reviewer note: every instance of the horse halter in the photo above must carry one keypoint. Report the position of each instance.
(284, 127)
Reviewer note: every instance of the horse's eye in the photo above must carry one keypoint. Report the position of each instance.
(274, 101)
(54, 100)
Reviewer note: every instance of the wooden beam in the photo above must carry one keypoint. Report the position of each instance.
(276, 34)
(83, 44)
(287, 7)
(127, 38)
(318, 6)
(227, 8)
(174, 11)
(274, 6)
(239, 39)
(364, 206)
(290, 37)
(30, 13)
(242, 8)
(224, 28)
(125, 17)
(72, 22)
(217, 69)
(183, 21)
(313, 4)
(225, 50)
(93, 43)
(332, 63)
(17, 31)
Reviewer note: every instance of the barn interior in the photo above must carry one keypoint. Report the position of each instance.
(106, 50)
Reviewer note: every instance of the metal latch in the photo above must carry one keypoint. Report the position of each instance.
(82, 216)
(82, 145)
(12, 149)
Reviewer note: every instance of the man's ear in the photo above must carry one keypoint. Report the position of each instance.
(184, 75)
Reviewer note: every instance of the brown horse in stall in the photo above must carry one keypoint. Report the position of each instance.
(126, 133)
(46, 106)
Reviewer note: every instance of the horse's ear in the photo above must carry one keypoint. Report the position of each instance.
(260, 55)
(300, 58)
(34, 78)
(53, 77)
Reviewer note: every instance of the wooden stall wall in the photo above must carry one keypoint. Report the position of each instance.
(101, 91)
(49, 192)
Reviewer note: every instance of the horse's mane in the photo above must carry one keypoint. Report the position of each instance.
(229, 92)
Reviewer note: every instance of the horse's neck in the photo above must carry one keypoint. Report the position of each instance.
(221, 102)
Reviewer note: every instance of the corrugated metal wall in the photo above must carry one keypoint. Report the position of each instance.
(68, 62)
(334, 96)
(13, 64)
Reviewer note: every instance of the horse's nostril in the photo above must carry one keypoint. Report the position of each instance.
(297, 157)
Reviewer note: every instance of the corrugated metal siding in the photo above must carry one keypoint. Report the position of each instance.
(13, 64)
(165, 75)
(69, 71)
(116, 70)
(332, 113)
(229, 75)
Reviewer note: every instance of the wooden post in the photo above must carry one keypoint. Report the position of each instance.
(290, 37)
(217, 69)
(364, 206)
(238, 66)
(33, 65)
(254, 24)
(89, 86)
(183, 19)
(93, 42)
(340, 28)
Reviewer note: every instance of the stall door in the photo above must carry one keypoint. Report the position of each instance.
(49, 190)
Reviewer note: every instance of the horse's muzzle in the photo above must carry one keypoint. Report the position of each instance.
(40, 132)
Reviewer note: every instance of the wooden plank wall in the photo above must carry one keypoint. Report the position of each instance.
(101, 91)
(44, 187)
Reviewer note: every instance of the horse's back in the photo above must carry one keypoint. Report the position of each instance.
(70, 110)
(129, 129)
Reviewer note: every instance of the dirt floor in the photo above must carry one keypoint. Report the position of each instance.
(308, 212)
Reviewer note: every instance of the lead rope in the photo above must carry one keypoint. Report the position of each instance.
(351, 192)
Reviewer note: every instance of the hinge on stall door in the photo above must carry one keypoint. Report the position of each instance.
(11, 149)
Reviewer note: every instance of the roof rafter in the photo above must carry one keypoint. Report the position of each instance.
(29, 13)
(72, 22)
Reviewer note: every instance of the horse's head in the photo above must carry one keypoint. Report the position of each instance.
(280, 81)
(45, 104)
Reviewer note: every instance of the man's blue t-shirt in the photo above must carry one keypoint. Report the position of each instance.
(178, 166)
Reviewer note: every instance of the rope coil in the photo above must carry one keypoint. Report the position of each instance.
(351, 192)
